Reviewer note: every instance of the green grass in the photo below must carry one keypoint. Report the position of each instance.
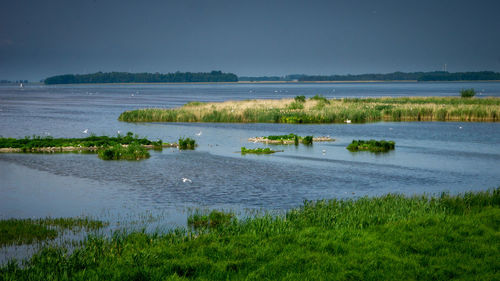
(266, 150)
(371, 145)
(27, 231)
(29, 143)
(118, 152)
(187, 143)
(318, 109)
(391, 237)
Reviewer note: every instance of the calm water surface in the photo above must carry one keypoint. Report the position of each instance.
(429, 157)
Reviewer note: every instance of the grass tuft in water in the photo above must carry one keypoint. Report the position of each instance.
(187, 143)
(27, 231)
(200, 220)
(467, 93)
(307, 140)
(371, 145)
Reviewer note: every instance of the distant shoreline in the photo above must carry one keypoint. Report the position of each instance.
(260, 82)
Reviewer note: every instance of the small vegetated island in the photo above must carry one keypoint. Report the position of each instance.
(127, 147)
(289, 139)
(318, 109)
(266, 150)
(371, 145)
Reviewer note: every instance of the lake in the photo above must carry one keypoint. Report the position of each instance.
(430, 157)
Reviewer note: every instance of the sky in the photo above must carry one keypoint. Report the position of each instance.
(39, 39)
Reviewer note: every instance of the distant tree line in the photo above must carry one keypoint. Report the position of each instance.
(126, 77)
(10, 82)
(418, 76)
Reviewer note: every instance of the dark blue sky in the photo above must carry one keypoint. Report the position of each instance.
(44, 38)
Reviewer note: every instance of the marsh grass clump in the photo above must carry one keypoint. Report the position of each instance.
(118, 152)
(214, 219)
(266, 150)
(320, 98)
(194, 103)
(187, 143)
(391, 237)
(28, 231)
(307, 140)
(371, 145)
(467, 93)
(296, 105)
(301, 99)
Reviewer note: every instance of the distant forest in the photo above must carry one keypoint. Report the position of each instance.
(219, 76)
(125, 77)
(395, 76)
(418, 76)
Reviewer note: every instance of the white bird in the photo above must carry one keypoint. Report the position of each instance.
(186, 180)
(348, 121)
(199, 134)
(460, 127)
(324, 151)
(85, 131)
(118, 131)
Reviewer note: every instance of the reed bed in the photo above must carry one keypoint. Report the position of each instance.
(321, 110)
(392, 237)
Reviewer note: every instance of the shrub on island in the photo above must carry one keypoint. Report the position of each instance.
(467, 93)
(132, 151)
(187, 143)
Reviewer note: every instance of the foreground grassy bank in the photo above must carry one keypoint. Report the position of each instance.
(321, 110)
(392, 237)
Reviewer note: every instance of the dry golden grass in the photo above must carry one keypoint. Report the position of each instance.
(326, 111)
